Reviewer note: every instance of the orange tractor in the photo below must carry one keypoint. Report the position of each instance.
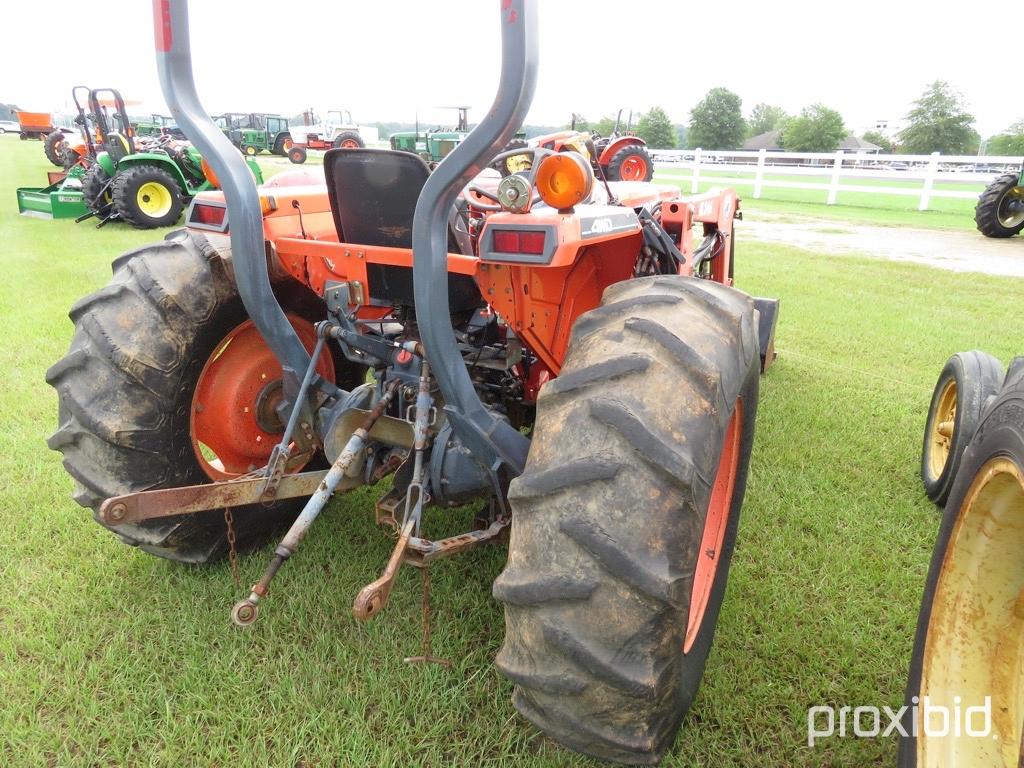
(620, 156)
(562, 358)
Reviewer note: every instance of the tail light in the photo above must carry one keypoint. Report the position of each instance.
(519, 241)
(211, 215)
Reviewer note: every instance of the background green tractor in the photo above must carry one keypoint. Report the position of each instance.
(156, 125)
(1000, 209)
(146, 181)
(256, 132)
(434, 145)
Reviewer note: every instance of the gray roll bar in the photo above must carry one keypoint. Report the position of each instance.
(174, 64)
(492, 440)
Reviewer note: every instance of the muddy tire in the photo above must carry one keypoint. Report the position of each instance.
(349, 140)
(966, 383)
(147, 196)
(631, 163)
(96, 191)
(125, 391)
(605, 584)
(1000, 209)
(967, 645)
(53, 147)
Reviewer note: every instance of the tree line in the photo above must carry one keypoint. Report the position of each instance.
(938, 121)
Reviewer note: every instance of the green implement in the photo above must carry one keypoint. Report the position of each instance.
(62, 199)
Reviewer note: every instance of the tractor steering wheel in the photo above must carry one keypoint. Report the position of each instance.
(537, 155)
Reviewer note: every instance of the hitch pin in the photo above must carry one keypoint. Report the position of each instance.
(245, 611)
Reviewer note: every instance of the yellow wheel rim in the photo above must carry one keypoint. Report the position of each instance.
(154, 199)
(940, 435)
(975, 643)
(250, 150)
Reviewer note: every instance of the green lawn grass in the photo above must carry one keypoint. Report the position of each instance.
(856, 207)
(112, 657)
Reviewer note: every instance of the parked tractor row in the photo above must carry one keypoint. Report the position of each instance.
(115, 173)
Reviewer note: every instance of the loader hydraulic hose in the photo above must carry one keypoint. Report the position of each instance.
(174, 64)
(492, 440)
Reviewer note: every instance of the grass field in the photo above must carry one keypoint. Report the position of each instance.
(856, 207)
(111, 657)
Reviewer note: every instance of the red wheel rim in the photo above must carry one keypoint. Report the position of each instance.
(233, 424)
(350, 144)
(633, 168)
(715, 525)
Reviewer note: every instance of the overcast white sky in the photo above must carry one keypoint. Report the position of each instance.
(386, 60)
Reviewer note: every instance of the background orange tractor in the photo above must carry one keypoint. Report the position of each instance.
(562, 358)
(620, 156)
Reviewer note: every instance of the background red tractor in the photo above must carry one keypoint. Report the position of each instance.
(561, 358)
(621, 156)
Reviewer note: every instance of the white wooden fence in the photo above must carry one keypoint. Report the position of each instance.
(756, 168)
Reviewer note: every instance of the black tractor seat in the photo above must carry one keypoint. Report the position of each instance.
(373, 194)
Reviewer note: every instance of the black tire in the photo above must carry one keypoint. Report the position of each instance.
(502, 166)
(297, 154)
(970, 379)
(126, 384)
(70, 158)
(1000, 436)
(97, 193)
(249, 150)
(53, 147)
(281, 143)
(126, 190)
(623, 157)
(990, 212)
(352, 136)
(609, 513)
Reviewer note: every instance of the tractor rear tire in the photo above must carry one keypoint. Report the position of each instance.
(96, 191)
(283, 144)
(966, 383)
(160, 207)
(647, 429)
(297, 154)
(53, 147)
(967, 650)
(990, 215)
(631, 163)
(125, 391)
(349, 140)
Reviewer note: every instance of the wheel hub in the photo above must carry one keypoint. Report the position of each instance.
(941, 432)
(154, 199)
(1011, 208)
(235, 420)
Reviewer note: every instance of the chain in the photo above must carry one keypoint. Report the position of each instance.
(229, 521)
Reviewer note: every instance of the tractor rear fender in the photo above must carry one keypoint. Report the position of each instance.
(158, 159)
(106, 162)
(615, 145)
